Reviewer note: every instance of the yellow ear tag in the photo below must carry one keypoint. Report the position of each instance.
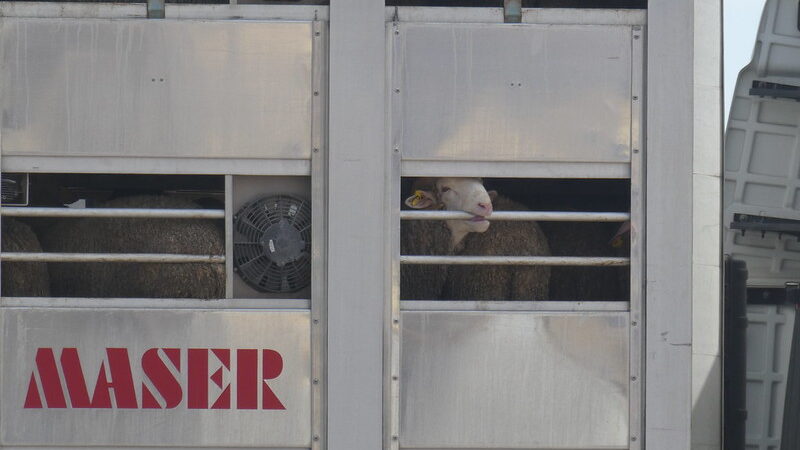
(418, 196)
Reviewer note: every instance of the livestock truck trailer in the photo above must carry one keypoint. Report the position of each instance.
(202, 208)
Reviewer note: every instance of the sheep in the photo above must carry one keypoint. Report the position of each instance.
(22, 279)
(491, 282)
(586, 283)
(470, 237)
(112, 235)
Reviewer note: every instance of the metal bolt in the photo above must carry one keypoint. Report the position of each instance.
(316, 33)
(633, 438)
(316, 438)
(316, 320)
(316, 150)
(394, 377)
(316, 380)
(396, 321)
(396, 32)
(636, 150)
(635, 97)
(397, 91)
(633, 378)
(316, 93)
(394, 438)
(633, 323)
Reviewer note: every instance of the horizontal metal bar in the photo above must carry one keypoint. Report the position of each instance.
(542, 216)
(155, 303)
(514, 169)
(517, 260)
(138, 213)
(165, 258)
(510, 305)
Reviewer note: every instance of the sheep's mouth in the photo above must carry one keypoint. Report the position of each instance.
(478, 219)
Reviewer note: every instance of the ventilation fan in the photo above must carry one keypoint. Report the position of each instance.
(272, 244)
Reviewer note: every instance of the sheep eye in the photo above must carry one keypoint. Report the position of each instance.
(445, 188)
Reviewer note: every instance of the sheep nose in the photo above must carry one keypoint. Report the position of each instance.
(485, 208)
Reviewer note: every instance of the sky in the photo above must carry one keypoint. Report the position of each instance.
(740, 25)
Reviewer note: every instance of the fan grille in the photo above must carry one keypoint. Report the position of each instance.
(272, 244)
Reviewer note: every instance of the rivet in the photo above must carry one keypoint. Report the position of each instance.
(394, 438)
(396, 321)
(396, 32)
(635, 97)
(633, 438)
(633, 323)
(397, 91)
(633, 378)
(394, 377)
(316, 150)
(316, 93)
(316, 33)
(316, 438)
(316, 320)
(316, 380)
(396, 150)
(636, 150)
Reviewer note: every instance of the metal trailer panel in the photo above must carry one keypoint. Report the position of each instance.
(357, 225)
(514, 380)
(25, 330)
(669, 164)
(490, 92)
(160, 88)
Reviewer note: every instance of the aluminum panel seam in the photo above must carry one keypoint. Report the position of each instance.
(638, 236)
(319, 184)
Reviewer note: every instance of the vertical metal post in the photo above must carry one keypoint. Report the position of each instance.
(668, 313)
(512, 11)
(357, 174)
(155, 9)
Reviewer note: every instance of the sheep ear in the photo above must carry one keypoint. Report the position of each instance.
(421, 200)
(492, 194)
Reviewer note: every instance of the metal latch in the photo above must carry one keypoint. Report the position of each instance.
(763, 224)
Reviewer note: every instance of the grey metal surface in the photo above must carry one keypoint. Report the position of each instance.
(515, 92)
(175, 11)
(165, 258)
(190, 166)
(517, 169)
(319, 239)
(154, 303)
(518, 260)
(515, 305)
(550, 16)
(157, 88)
(114, 212)
(637, 241)
(514, 380)
(669, 165)
(559, 216)
(93, 331)
(356, 292)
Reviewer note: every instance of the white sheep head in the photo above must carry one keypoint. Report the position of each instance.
(455, 194)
